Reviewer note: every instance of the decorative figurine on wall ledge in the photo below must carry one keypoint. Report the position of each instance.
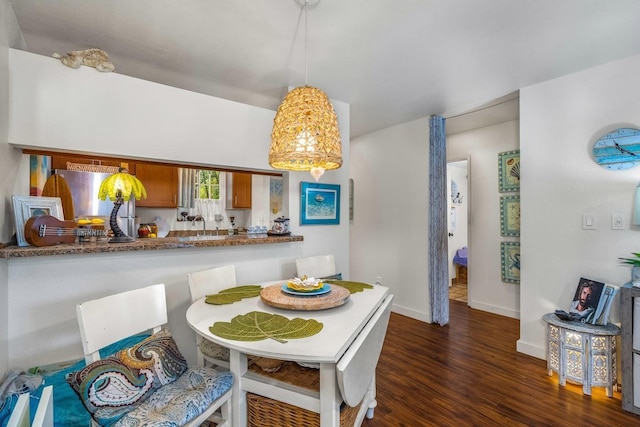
(96, 58)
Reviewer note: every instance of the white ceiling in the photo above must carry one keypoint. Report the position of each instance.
(392, 60)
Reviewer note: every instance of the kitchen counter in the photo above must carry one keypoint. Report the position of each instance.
(146, 244)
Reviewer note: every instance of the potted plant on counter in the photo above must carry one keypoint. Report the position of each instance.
(635, 267)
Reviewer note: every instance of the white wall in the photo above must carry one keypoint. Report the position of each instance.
(486, 291)
(559, 122)
(10, 36)
(59, 108)
(389, 232)
(43, 291)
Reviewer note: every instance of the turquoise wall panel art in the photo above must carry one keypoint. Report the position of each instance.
(509, 171)
(510, 216)
(510, 256)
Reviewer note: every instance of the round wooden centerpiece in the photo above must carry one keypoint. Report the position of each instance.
(275, 297)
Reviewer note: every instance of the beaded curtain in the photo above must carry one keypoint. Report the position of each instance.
(438, 238)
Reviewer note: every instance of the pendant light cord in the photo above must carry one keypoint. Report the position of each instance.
(306, 43)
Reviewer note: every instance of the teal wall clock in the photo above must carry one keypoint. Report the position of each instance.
(618, 150)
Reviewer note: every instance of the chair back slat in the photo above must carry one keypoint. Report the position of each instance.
(106, 320)
(211, 281)
(356, 369)
(316, 266)
(20, 415)
(44, 413)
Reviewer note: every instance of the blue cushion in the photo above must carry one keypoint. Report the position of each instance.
(69, 410)
(6, 407)
(181, 401)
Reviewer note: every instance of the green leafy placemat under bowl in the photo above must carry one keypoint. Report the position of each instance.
(353, 287)
(231, 295)
(258, 326)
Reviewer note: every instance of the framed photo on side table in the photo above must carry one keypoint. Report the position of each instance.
(24, 207)
(319, 203)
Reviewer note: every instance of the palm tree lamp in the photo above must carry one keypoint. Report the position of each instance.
(119, 187)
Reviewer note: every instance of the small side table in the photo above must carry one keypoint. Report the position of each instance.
(582, 352)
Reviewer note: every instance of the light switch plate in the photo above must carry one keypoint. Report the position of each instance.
(588, 221)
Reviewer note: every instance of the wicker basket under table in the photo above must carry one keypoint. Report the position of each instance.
(265, 412)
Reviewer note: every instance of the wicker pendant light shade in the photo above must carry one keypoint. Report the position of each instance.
(305, 134)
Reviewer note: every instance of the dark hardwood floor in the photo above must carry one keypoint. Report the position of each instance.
(468, 373)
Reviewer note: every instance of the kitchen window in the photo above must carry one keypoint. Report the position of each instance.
(207, 185)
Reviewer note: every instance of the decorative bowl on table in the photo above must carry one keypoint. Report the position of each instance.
(304, 284)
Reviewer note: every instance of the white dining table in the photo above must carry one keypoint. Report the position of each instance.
(341, 326)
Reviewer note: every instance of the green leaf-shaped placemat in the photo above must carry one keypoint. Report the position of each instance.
(258, 325)
(231, 295)
(353, 287)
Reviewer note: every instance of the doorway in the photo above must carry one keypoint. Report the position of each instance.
(458, 228)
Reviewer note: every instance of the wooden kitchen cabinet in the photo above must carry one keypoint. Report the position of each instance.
(240, 194)
(161, 183)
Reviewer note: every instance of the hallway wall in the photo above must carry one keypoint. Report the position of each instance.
(560, 121)
(488, 292)
(388, 233)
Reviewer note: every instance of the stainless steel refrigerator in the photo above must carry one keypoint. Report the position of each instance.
(84, 188)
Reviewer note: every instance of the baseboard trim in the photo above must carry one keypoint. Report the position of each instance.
(414, 314)
(495, 309)
(531, 350)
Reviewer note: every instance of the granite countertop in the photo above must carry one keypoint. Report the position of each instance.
(145, 244)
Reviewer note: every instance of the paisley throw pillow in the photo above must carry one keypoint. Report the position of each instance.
(111, 387)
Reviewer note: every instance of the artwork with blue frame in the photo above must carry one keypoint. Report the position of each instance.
(319, 203)
(509, 171)
(510, 216)
(510, 256)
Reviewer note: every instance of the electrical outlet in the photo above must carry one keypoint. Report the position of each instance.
(617, 222)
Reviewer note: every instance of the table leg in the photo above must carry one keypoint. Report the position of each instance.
(372, 397)
(238, 367)
(330, 398)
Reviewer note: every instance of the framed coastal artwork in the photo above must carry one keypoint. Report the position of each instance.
(319, 203)
(509, 171)
(351, 198)
(24, 207)
(38, 173)
(510, 216)
(510, 256)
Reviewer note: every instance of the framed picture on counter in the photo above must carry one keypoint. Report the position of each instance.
(24, 207)
(319, 203)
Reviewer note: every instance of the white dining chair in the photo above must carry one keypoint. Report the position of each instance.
(20, 415)
(107, 320)
(208, 282)
(316, 266)
(44, 412)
